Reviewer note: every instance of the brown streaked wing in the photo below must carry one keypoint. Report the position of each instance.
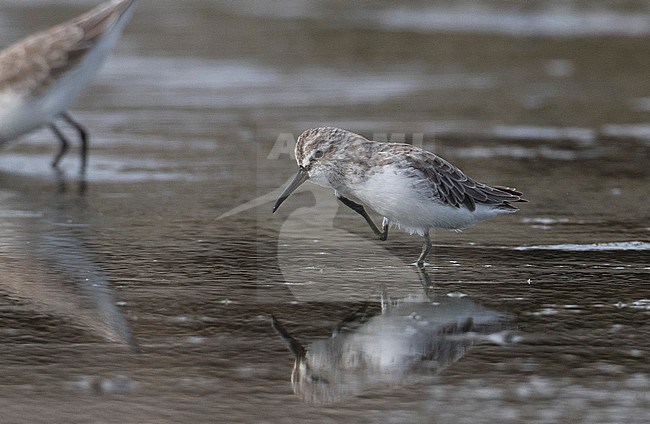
(31, 65)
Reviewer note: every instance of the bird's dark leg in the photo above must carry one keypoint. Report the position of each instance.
(63, 146)
(384, 229)
(381, 235)
(83, 137)
(426, 248)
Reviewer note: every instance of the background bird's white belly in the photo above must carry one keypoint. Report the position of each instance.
(21, 113)
(12, 117)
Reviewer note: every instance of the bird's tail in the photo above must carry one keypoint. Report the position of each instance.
(508, 195)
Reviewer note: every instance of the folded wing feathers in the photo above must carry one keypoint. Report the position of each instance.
(455, 188)
(97, 21)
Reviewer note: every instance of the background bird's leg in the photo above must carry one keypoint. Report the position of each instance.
(83, 136)
(63, 146)
(426, 247)
(381, 235)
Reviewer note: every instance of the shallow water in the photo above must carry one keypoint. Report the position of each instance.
(144, 293)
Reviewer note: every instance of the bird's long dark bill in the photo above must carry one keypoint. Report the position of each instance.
(300, 178)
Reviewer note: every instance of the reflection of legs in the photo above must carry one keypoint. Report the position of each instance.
(426, 248)
(426, 282)
(381, 235)
(83, 136)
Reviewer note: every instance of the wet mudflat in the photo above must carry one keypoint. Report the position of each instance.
(144, 293)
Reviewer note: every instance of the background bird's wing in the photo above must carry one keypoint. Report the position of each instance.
(33, 64)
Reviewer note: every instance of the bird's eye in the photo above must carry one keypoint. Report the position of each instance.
(318, 154)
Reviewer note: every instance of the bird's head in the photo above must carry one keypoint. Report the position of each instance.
(317, 151)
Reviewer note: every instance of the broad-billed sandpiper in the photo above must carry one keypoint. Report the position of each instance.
(43, 74)
(413, 189)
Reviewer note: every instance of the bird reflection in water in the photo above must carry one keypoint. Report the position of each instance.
(396, 345)
(47, 264)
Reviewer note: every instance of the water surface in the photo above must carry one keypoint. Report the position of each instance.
(144, 293)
